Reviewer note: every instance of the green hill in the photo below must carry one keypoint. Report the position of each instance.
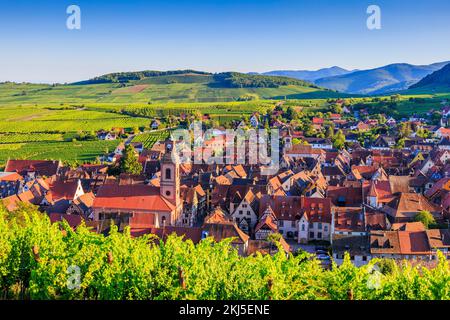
(167, 86)
(437, 80)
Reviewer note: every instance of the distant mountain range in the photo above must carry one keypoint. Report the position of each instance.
(436, 80)
(309, 75)
(390, 78)
(382, 80)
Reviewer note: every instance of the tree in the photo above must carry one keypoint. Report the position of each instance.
(396, 98)
(290, 113)
(405, 130)
(339, 140)
(309, 130)
(129, 162)
(329, 133)
(296, 141)
(425, 217)
(336, 108)
(400, 143)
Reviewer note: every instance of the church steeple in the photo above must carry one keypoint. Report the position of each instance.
(170, 177)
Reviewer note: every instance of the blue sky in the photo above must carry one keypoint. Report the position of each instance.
(213, 35)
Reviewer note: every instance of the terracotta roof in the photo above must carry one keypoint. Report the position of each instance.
(10, 176)
(354, 245)
(407, 205)
(439, 238)
(285, 208)
(349, 219)
(316, 120)
(132, 197)
(42, 167)
(376, 221)
(439, 185)
(408, 226)
(381, 190)
(292, 208)
(317, 209)
(63, 190)
(217, 216)
(11, 202)
(352, 196)
(399, 242)
(365, 172)
(72, 219)
(86, 199)
(303, 150)
(268, 222)
(399, 183)
(224, 230)
(222, 180)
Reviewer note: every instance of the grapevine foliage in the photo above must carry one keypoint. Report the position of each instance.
(35, 257)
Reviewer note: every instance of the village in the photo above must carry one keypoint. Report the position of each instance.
(383, 198)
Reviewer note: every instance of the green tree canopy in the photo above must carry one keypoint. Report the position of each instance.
(339, 140)
(129, 162)
(425, 217)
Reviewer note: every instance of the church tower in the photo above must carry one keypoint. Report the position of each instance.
(170, 178)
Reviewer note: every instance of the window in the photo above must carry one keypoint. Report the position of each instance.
(319, 225)
(311, 234)
(364, 258)
(303, 227)
(248, 213)
(319, 235)
(168, 193)
(293, 224)
(325, 228)
(241, 212)
(281, 223)
(168, 174)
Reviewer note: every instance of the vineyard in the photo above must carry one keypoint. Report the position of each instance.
(148, 139)
(39, 260)
(82, 151)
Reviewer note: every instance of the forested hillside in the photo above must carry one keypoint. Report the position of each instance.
(220, 80)
(437, 79)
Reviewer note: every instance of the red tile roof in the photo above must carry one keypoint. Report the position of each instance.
(132, 197)
(72, 219)
(63, 190)
(42, 167)
(10, 176)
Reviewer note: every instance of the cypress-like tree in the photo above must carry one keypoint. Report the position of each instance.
(129, 162)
